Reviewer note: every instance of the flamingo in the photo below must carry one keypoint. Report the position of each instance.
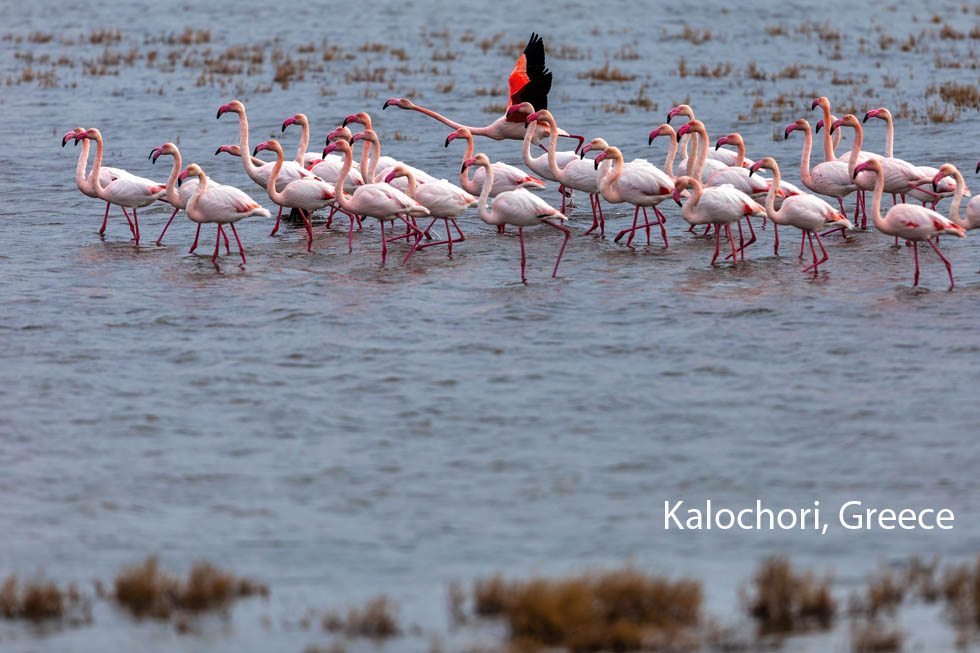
(179, 199)
(363, 118)
(444, 200)
(899, 176)
(539, 164)
(260, 174)
(909, 221)
(972, 219)
(830, 178)
(328, 167)
(641, 185)
(84, 182)
(222, 205)
(808, 213)
(126, 189)
(697, 127)
(307, 195)
(380, 201)
(946, 186)
(303, 158)
(520, 208)
(529, 82)
(576, 173)
(835, 137)
(369, 168)
(505, 176)
(829, 145)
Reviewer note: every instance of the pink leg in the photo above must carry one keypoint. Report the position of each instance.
(278, 220)
(802, 243)
(196, 236)
(241, 250)
(662, 219)
(646, 223)
(134, 227)
(350, 236)
(775, 231)
(419, 235)
(707, 228)
(595, 216)
(949, 267)
(384, 243)
(105, 218)
(563, 243)
(602, 218)
(225, 236)
(717, 243)
(561, 189)
(333, 209)
(217, 245)
(915, 250)
(520, 235)
(167, 226)
(731, 239)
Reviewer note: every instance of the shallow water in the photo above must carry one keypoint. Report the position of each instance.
(339, 428)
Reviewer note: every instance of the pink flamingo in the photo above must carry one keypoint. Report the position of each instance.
(723, 157)
(222, 205)
(380, 201)
(84, 182)
(909, 221)
(641, 184)
(718, 206)
(520, 208)
(830, 178)
(576, 173)
(291, 171)
(505, 176)
(972, 218)
(445, 201)
(945, 188)
(328, 167)
(126, 190)
(755, 186)
(179, 199)
(303, 158)
(807, 213)
(529, 82)
(306, 195)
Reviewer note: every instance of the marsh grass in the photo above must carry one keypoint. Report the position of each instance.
(875, 637)
(616, 610)
(145, 590)
(607, 73)
(786, 601)
(377, 619)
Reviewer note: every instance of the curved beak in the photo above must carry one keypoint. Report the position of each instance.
(837, 123)
(819, 126)
(815, 104)
(385, 106)
(789, 130)
(258, 148)
(677, 196)
(585, 150)
(66, 137)
(721, 141)
(599, 159)
(391, 175)
(154, 154)
(222, 109)
(287, 122)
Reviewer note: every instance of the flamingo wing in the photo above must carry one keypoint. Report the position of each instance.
(530, 81)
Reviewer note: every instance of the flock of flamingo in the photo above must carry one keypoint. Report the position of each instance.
(719, 188)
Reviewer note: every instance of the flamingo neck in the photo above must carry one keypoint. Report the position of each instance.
(552, 149)
(528, 137)
(407, 174)
(771, 211)
(702, 154)
(246, 157)
(172, 196)
(94, 180)
(740, 157)
(464, 174)
(304, 141)
(805, 175)
(612, 175)
(954, 208)
(80, 180)
(481, 205)
(855, 150)
(341, 196)
(889, 137)
(876, 201)
(671, 153)
(828, 144)
(191, 208)
(691, 205)
(270, 186)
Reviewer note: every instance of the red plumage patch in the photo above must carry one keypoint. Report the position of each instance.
(910, 223)
(157, 189)
(518, 77)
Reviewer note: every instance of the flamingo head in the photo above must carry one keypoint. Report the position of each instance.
(821, 101)
(339, 144)
(684, 109)
(522, 108)
(190, 171)
(680, 184)
(298, 118)
(70, 136)
(945, 170)
(595, 144)
(234, 106)
(662, 130)
(268, 145)
(850, 120)
(767, 162)
(462, 132)
(478, 160)
(396, 171)
(799, 125)
(600, 158)
(819, 125)
(166, 148)
(882, 114)
(400, 102)
(367, 135)
(724, 140)
(92, 133)
(233, 150)
(341, 133)
(872, 165)
(694, 125)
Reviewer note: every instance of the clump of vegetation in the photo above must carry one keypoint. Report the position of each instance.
(786, 601)
(752, 71)
(960, 95)
(695, 36)
(948, 32)
(147, 591)
(39, 600)
(874, 637)
(619, 610)
(377, 620)
(607, 73)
